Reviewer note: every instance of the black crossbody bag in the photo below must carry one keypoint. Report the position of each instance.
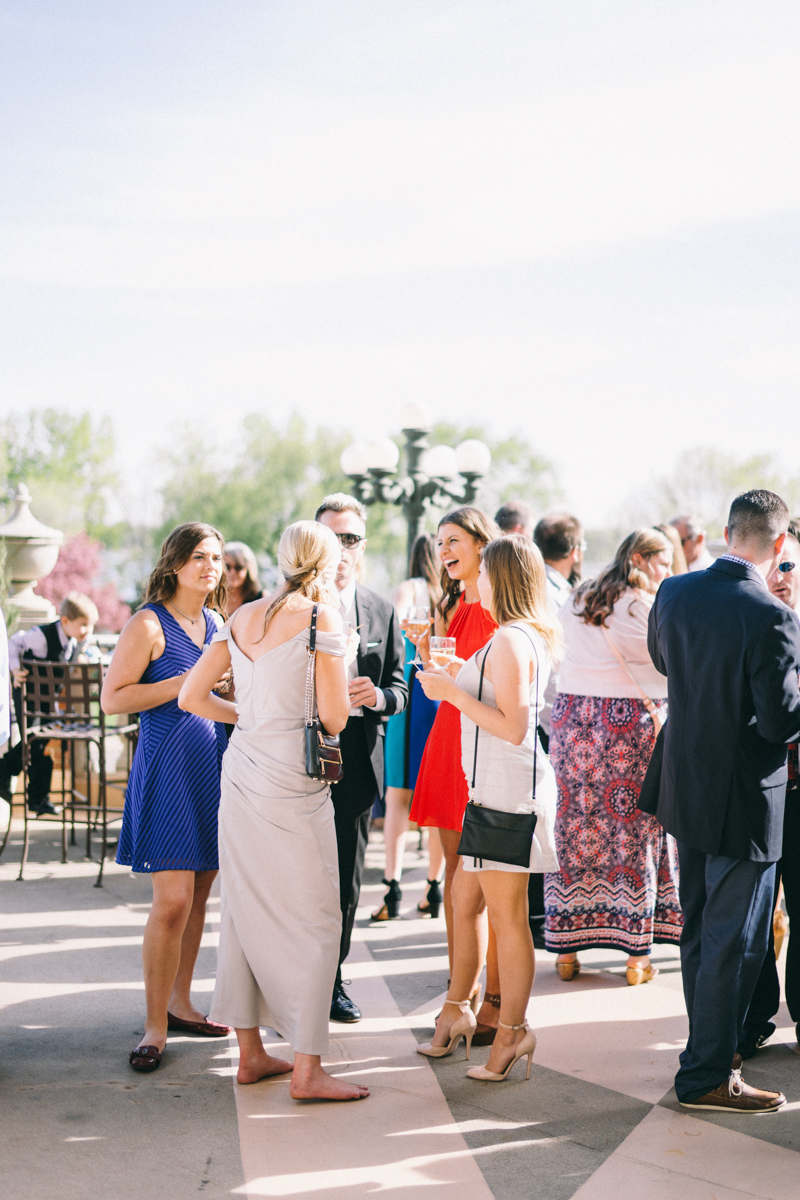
(491, 833)
(323, 753)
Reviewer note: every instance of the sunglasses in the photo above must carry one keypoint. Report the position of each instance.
(786, 567)
(350, 540)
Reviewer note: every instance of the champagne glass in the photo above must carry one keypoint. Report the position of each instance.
(443, 650)
(418, 624)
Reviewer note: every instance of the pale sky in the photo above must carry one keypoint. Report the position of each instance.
(575, 218)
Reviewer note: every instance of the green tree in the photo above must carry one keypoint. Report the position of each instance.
(277, 475)
(67, 461)
(704, 480)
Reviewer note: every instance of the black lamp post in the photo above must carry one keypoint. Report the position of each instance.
(434, 476)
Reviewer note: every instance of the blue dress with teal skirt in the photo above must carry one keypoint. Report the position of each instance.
(170, 818)
(407, 732)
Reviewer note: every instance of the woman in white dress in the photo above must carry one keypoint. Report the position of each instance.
(516, 665)
(280, 916)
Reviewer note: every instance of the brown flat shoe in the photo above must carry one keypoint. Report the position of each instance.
(204, 1028)
(145, 1058)
(736, 1096)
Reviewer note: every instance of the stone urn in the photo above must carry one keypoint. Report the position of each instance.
(31, 553)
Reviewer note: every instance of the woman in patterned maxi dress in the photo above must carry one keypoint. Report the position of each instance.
(618, 883)
(169, 827)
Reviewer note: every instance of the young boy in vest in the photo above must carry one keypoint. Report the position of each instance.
(55, 642)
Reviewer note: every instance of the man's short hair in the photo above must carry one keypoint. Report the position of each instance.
(758, 516)
(691, 523)
(557, 535)
(75, 605)
(794, 528)
(340, 502)
(515, 513)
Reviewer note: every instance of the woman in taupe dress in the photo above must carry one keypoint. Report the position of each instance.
(280, 915)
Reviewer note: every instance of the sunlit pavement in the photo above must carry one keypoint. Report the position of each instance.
(597, 1119)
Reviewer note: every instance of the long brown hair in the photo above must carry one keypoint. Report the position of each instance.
(519, 587)
(482, 529)
(422, 565)
(307, 550)
(176, 551)
(598, 596)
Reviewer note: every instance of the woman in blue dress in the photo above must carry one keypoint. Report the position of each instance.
(169, 827)
(406, 735)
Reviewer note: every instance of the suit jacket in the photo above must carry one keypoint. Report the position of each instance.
(381, 657)
(731, 654)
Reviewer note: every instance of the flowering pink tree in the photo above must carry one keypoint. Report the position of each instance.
(79, 569)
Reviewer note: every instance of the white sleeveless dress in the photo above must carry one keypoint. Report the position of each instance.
(504, 776)
(281, 922)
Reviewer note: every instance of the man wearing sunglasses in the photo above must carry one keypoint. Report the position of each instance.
(784, 583)
(377, 690)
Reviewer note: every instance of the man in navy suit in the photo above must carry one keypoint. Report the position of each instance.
(731, 654)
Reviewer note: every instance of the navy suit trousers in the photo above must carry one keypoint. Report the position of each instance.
(727, 910)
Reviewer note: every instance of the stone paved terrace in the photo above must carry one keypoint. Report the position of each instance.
(598, 1118)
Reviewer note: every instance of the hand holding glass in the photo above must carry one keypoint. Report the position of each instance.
(417, 624)
(443, 651)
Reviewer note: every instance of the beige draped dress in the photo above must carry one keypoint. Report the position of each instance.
(280, 916)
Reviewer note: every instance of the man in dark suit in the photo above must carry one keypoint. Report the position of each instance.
(731, 654)
(377, 690)
(784, 583)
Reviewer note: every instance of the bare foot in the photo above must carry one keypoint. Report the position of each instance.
(185, 1012)
(261, 1066)
(153, 1036)
(488, 1015)
(315, 1084)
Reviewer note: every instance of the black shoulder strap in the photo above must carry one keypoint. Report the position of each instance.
(312, 636)
(480, 693)
(536, 711)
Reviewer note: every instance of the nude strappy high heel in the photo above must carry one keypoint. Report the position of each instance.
(525, 1049)
(463, 1026)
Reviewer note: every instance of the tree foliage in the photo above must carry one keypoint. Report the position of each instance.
(277, 475)
(80, 568)
(67, 461)
(704, 480)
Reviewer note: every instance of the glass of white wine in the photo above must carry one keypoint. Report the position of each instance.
(443, 650)
(418, 623)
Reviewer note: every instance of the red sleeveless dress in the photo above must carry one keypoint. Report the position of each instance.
(440, 796)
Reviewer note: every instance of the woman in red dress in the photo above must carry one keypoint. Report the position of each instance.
(440, 796)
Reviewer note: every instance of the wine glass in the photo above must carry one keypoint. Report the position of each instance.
(418, 624)
(443, 650)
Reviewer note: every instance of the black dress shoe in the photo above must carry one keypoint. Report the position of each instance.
(342, 1007)
(750, 1042)
(44, 808)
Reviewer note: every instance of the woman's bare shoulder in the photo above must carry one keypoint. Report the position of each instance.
(328, 619)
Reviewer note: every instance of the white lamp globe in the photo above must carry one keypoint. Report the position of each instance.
(473, 457)
(415, 416)
(353, 459)
(439, 462)
(382, 455)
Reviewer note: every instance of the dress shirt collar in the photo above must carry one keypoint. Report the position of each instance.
(347, 596)
(743, 562)
(557, 579)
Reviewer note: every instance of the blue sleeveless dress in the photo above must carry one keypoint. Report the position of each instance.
(170, 818)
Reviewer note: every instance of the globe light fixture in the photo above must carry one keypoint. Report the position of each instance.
(436, 476)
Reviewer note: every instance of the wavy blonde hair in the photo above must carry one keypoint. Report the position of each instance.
(306, 553)
(519, 587)
(598, 596)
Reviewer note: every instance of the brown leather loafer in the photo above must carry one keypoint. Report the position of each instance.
(736, 1096)
(204, 1028)
(145, 1058)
